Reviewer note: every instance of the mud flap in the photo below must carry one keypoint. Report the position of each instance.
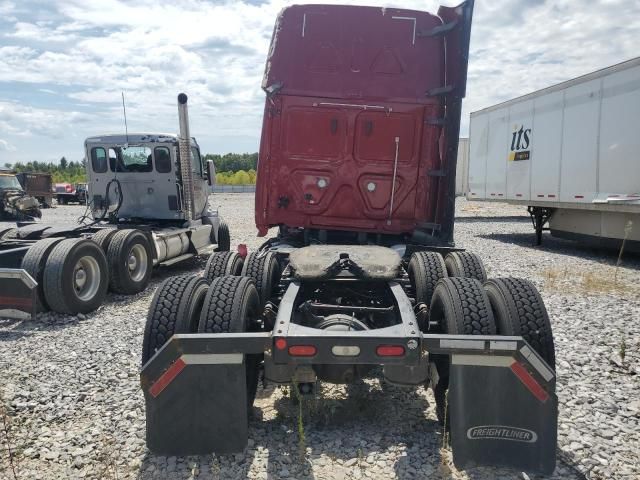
(501, 416)
(198, 405)
(17, 291)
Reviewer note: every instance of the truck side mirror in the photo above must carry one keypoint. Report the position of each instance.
(211, 173)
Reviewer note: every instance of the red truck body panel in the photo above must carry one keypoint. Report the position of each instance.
(356, 96)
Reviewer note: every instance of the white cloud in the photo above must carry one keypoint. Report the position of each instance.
(6, 146)
(89, 52)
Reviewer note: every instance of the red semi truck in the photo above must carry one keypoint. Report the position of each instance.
(357, 172)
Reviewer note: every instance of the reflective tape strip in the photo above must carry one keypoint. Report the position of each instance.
(192, 359)
(502, 345)
(535, 362)
(482, 360)
(525, 377)
(16, 301)
(167, 377)
(211, 358)
(464, 344)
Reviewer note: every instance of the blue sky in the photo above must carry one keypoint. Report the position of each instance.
(64, 63)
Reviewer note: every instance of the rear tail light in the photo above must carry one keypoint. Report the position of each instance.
(281, 344)
(302, 350)
(390, 351)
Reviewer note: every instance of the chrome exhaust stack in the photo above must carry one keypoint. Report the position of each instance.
(185, 156)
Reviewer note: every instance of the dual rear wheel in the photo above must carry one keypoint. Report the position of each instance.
(503, 306)
(187, 304)
(463, 302)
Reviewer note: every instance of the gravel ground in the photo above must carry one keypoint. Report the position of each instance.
(73, 407)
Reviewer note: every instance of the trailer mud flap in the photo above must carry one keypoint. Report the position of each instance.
(198, 405)
(17, 291)
(501, 414)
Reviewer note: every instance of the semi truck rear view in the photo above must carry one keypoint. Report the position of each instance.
(357, 173)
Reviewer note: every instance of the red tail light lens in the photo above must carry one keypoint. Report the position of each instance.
(281, 344)
(302, 350)
(390, 351)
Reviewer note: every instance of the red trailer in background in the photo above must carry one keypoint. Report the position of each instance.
(357, 171)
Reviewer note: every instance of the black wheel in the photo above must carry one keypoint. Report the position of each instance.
(103, 238)
(519, 310)
(232, 305)
(34, 263)
(75, 277)
(459, 306)
(465, 264)
(223, 238)
(223, 263)
(264, 269)
(425, 270)
(175, 308)
(130, 261)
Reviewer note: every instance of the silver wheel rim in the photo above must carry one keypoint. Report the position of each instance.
(86, 278)
(137, 263)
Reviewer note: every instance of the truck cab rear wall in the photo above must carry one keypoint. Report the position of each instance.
(333, 164)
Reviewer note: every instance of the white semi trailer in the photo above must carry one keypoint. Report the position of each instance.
(570, 153)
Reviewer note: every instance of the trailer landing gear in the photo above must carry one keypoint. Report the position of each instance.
(540, 217)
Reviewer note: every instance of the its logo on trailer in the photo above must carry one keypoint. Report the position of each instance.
(520, 142)
(502, 432)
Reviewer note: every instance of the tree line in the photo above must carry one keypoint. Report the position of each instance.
(62, 172)
(231, 169)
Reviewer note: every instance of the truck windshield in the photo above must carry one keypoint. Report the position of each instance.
(9, 181)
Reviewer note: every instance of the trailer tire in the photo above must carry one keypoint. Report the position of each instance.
(465, 264)
(34, 263)
(231, 305)
(264, 269)
(103, 238)
(62, 276)
(223, 237)
(425, 270)
(223, 263)
(130, 261)
(519, 310)
(175, 308)
(460, 306)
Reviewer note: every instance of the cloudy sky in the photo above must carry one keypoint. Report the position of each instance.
(64, 63)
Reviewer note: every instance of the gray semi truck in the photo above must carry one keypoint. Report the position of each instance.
(147, 206)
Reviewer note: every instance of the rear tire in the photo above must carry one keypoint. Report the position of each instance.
(75, 277)
(130, 261)
(223, 238)
(103, 238)
(425, 270)
(519, 310)
(223, 263)
(460, 306)
(264, 269)
(232, 305)
(175, 308)
(465, 264)
(34, 263)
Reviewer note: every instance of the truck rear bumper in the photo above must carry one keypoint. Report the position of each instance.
(501, 399)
